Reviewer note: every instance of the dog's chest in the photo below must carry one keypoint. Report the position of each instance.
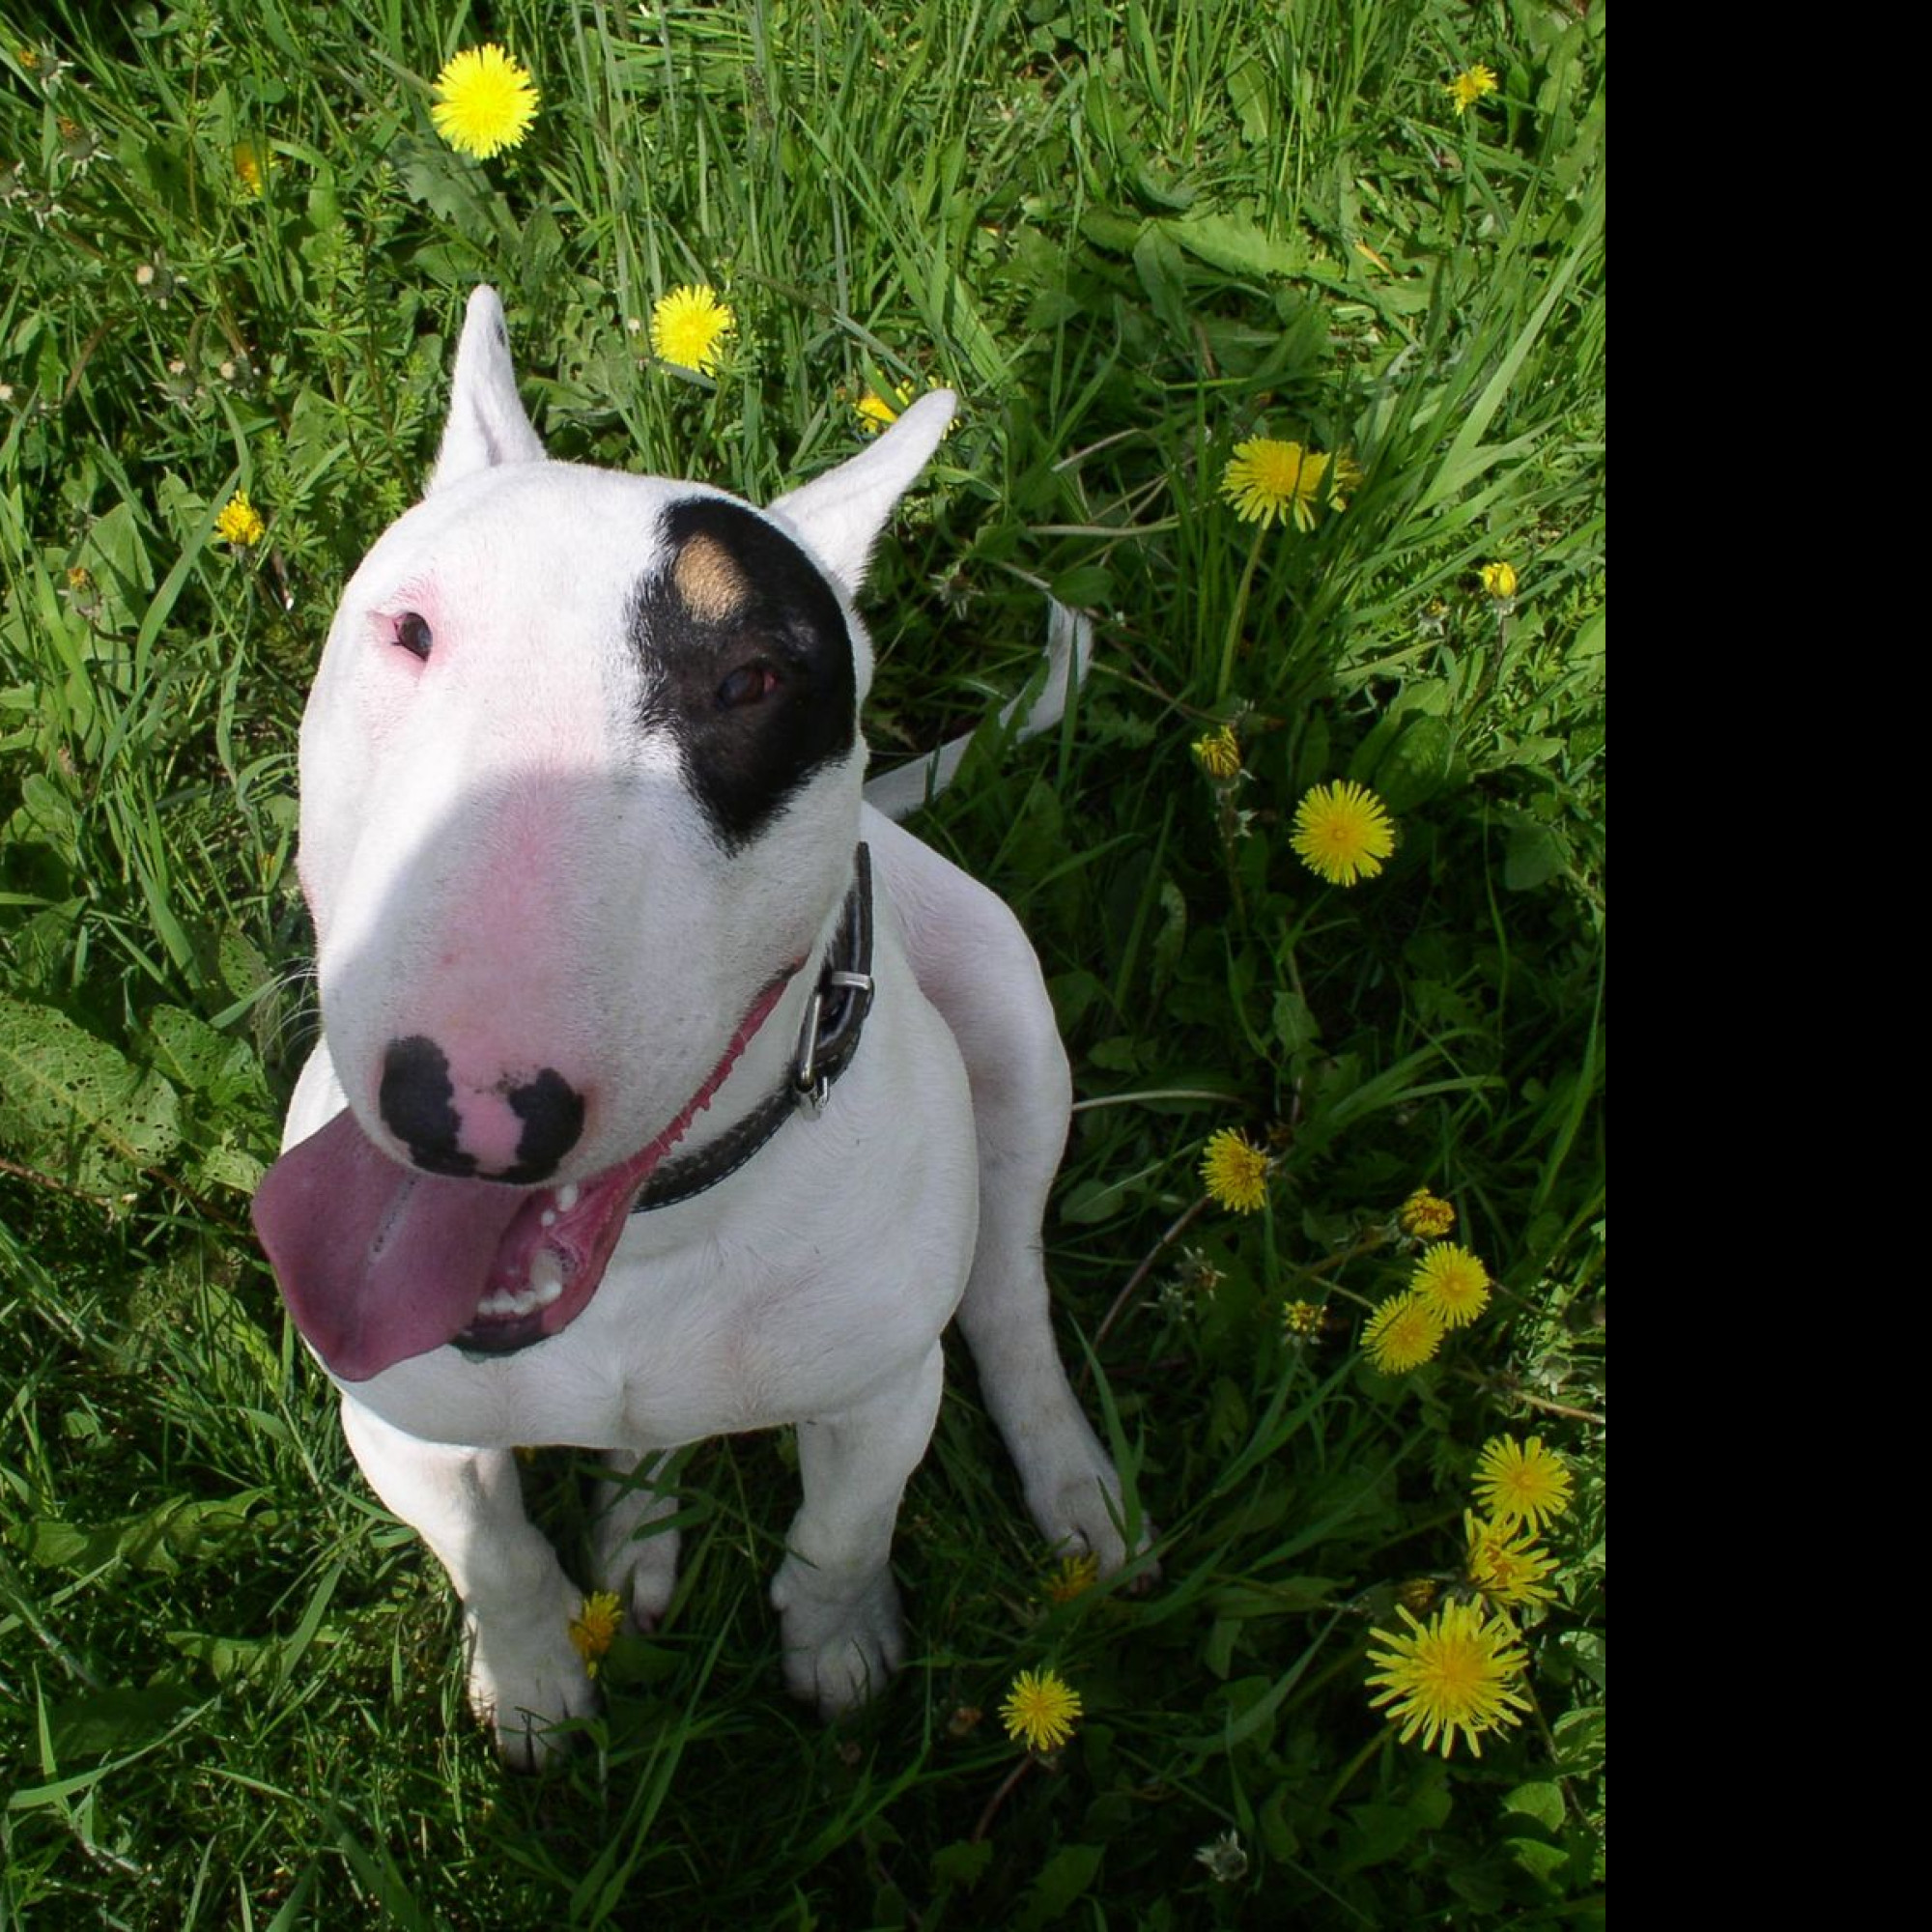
(725, 1336)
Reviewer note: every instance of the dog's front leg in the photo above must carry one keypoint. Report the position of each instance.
(467, 1505)
(631, 1558)
(834, 1590)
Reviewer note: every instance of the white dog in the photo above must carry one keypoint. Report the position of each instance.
(666, 1087)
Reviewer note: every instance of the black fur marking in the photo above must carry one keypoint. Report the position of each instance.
(418, 1106)
(551, 1111)
(746, 760)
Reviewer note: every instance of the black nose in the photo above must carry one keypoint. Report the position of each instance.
(418, 1106)
(417, 1101)
(551, 1111)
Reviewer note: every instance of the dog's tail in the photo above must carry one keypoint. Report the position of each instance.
(1069, 643)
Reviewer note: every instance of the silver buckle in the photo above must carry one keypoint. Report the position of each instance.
(808, 1087)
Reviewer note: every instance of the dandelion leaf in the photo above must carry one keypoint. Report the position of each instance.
(1234, 244)
(72, 1104)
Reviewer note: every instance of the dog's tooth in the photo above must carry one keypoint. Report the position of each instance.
(550, 1217)
(504, 1303)
(566, 1197)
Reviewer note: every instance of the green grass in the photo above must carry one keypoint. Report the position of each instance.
(1131, 236)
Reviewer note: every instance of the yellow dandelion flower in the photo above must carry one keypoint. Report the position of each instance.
(1234, 1171)
(1301, 1318)
(689, 326)
(1425, 1216)
(1498, 580)
(1402, 1334)
(1504, 1562)
(1343, 832)
(1452, 1674)
(1521, 1482)
(594, 1627)
(1267, 480)
(1470, 86)
(876, 411)
(240, 522)
(484, 101)
(252, 161)
(1072, 1577)
(1041, 1710)
(1453, 1282)
(1219, 754)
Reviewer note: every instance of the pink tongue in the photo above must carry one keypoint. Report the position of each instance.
(376, 1261)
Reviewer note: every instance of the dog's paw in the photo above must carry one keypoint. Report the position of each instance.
(640, 1572)
(1080, 1515)
(839, 1648)
(525, 1678)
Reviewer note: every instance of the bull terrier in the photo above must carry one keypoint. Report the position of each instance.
(666, 1087)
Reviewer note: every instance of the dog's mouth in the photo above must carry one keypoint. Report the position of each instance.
(378, 1261)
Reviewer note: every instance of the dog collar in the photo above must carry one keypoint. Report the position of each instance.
(828, 1038)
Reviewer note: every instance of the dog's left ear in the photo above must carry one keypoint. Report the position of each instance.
(840, 514)
(487, 424)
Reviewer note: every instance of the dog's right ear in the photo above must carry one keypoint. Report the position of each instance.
(840, 514)
(487, 424)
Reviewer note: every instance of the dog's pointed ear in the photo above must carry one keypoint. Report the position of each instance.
(487, 424)
(840, 514)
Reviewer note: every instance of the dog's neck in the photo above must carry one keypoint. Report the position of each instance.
(816, 1026)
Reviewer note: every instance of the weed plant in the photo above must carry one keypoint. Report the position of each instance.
(1133, 235)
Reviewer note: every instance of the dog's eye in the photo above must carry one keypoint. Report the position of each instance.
(749, 684)
(413, 633)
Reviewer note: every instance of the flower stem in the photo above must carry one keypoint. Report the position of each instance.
(1238, 618)
(999, 1798)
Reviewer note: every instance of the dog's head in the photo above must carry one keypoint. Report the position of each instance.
(580, 786)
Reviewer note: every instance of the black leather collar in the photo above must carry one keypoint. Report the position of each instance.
(828, 1039)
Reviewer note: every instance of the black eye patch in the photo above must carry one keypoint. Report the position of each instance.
(746, 661)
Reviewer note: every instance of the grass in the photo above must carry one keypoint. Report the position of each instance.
(1132, 236)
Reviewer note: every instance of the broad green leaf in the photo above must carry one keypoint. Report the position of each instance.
(1416, 765)
(74, 1104)
(1233, 245)
(1534, 855)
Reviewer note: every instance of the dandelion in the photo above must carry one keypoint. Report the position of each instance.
(1198, 1274)
(1498, 580)
(1504, 1562)
(1301, 1318)
(876, 411)
(594, 1627)
(240, 522)
(1267, 480)
(1470, 86)
(1343, 832)
(1453, 1282)
(1219, 754)
(1450, 1674)
(252, 161)
(1521, 1482)
(688, 325)
(485, 101)
(1041, 1710)
(1072, 1577)
(1234, 1171)
(1402, 1334)
(1226, 1861)
(1425, 1216)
